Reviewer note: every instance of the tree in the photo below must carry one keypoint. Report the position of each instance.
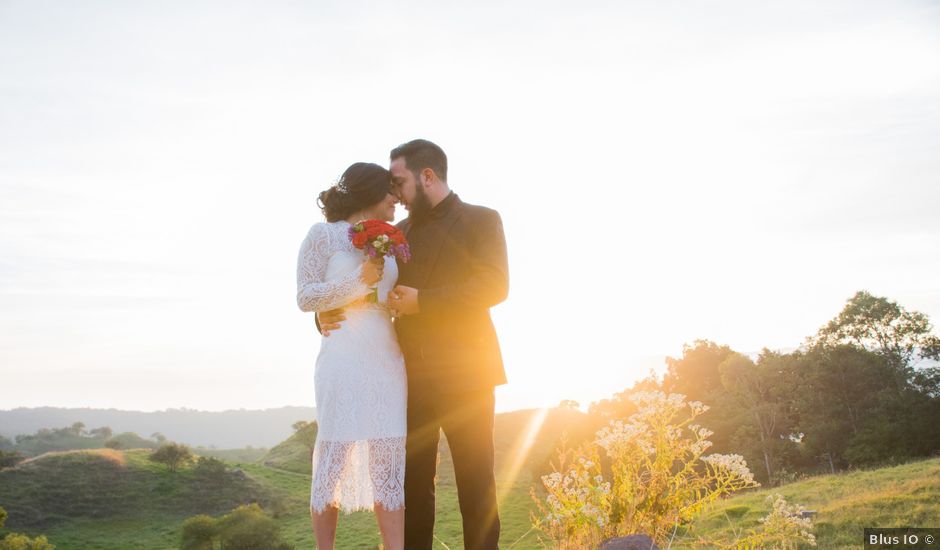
(878, 324)
(103, 432)
(173, 455)
(299, 425)
(158, 437)
(889, 400)
(5, 443)
(77, 428)
(10, 458)
(759, 394)
(130, 440)
(696, 374)
(620, 406)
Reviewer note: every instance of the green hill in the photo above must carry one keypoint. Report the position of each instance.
(107, 499)
(524, 441)
(248, 454)
(294, 453)
(117, 499)
(544, 430)
(900, 496)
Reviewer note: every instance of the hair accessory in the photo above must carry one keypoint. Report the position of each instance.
(340, 186)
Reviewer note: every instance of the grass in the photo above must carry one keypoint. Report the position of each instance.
(359, 530)
(232, 455)
(293, 454)
(901, 496)
(105, 499)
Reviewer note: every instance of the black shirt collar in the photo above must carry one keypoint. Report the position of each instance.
(436, 213)
(444, 206)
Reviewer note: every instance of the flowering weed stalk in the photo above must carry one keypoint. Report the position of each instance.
(784, 528)
(656, 476)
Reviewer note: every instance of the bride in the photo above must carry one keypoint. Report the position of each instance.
(360, 386)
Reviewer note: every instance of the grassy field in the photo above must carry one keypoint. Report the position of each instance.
(899, 496)
(232, 455)
(104, 499)
(107, 499)
(359, 531)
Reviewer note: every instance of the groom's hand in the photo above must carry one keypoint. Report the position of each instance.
(330, 320)
(403, 300)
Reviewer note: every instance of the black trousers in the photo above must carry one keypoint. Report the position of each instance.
(467, 420)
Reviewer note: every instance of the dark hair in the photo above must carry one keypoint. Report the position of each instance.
(420, 154)
(361, 185)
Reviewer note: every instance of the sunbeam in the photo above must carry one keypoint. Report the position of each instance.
(520, 451)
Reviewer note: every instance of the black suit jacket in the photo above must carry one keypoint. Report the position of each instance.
(460, 268)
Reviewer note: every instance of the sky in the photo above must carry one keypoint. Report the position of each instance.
(666, 171)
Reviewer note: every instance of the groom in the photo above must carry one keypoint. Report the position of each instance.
(458, 271)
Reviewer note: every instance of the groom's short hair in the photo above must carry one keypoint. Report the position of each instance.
(420, 154)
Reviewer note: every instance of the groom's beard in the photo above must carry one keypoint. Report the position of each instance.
(420, 206)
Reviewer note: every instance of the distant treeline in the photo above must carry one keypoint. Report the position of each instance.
(224, 430)
(70, 438)
(864, 391)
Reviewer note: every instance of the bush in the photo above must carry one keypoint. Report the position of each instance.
(245, 528)
(8, 459)
(783, 528)
(173, 455)
(198, 533)
(652, 477)
(130, 440)
(210, 468)
(15, 541)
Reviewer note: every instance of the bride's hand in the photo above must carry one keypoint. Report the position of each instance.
(372, 270)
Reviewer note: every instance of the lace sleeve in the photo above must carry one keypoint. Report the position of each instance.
(314, 293)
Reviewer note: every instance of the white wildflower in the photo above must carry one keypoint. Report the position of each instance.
(733, 463)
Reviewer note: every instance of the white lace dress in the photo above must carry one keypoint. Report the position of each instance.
(360, 386)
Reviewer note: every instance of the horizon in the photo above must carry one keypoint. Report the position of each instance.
(665, 173)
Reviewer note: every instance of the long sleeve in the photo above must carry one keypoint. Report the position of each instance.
(314, 293)
(488, 281)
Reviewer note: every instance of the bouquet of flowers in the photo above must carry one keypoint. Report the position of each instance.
(379, 239)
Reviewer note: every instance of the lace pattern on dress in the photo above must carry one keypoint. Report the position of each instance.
(314, 293)
(339, 465)
(361, 390)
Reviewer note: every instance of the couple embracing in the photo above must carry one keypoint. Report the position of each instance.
(409, 349)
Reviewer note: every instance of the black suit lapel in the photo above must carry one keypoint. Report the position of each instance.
(405, 227)
(435, 242)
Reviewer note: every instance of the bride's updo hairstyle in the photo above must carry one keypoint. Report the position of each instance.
(361, 185)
